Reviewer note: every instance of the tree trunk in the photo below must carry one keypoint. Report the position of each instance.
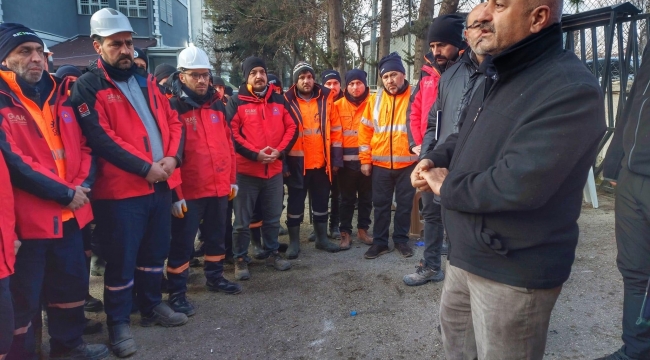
(448, 7)
(385, 28)
(336, 36)
(421, 27)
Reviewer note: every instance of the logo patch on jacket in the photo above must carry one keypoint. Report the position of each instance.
(276, 111)
(250, 111)
(83, 110)
(67, 118)
(17, 119)
(111, 98)
(215, 118)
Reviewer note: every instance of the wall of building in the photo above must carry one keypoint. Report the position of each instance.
(176, 35)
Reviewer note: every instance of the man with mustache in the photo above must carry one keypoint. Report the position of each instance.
(263, 132)
(208, 172)
(51, 173)
(138, 140)
(385, 155)
(314, 158)
(513, 192)
(445, 40)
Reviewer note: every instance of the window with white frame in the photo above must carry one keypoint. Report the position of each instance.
(133, 8)
(89, 7)
(166, 14)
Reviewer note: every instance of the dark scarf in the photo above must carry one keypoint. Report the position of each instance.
(357, 100)
(198, 99)
(118, 74)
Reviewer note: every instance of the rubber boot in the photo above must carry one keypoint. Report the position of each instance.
(256, 240)
(322, 241)
(294, 242)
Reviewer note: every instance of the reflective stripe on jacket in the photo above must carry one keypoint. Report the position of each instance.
(383, 138)
(331, 135)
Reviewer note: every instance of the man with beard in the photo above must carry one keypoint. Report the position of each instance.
(51, 173)
(445, 40)
(385, 155)
(348, 110)
(138, 140)
(263, 132)
(316, 155)
(513, 191)
(209, 173)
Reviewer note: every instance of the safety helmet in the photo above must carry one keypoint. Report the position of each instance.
(193, 58)
(107, 21)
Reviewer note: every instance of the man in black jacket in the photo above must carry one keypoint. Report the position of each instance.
(628, 163)
(513, 192)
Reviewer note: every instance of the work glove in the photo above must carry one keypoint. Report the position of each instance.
(179, 208)
(233, 191)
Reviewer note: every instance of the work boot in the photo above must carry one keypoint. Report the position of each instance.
(322, 242)
(618, 355)
(93, 305)
(164, 316)
(294, 242)
(346, 241)
(97, 266)
(376, 251)
(256, 240)
(276, 260)
(423, 275)
(85, 352)
(404, 249)
(241, 269)
(122, 343)
(223, 285)
(92, 327)
(178, 302)
(334, 232)
(362, 235)
(312, 236)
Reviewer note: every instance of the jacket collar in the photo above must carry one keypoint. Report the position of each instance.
(532, 49)
(245, 94)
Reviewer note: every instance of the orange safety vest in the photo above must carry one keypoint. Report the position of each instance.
(349, 115)
(383, 139)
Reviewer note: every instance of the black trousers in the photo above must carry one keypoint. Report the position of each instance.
(353, 184)
(633, 243)
(384, 183)
(317, 183)
(335, 198)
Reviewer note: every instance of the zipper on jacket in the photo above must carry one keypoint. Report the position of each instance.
(146, 144)
(636, 133)
(391, 133)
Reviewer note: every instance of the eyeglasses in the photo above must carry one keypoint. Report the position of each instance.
(196, 76)
(475, 25)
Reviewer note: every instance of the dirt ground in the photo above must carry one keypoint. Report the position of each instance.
(304, 313)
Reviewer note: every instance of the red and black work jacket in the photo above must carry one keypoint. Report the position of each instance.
(118, 137)
(257, 123)
(7, 222)
(40, 194)
(208, 167)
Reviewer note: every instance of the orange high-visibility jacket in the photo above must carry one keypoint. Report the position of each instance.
(383, 138)
(329, 133)
(349, 115)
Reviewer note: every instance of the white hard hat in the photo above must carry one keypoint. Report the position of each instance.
(107, 21)
(193, 58)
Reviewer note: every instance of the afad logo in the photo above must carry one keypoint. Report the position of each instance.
(17, 119)
(250, 111)
(214, 118)
(66, 116)
(276, 111)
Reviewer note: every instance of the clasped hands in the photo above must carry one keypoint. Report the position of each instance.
(427, 178)
(161, 170)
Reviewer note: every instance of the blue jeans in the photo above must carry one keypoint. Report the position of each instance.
(51, 272)
(433, 231)
(384, 183)
(213, 211)
(269, 192)
(135, 246)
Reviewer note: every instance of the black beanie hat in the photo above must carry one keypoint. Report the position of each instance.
(228, 91)
(391, 62)
(356, 74)
(250, 63)
(67, 70)
(163, 71)
(447, 29)
(217, 81)
(329, 75)
(300, 68)
(274, 80)
(12, 35)
(140, 54)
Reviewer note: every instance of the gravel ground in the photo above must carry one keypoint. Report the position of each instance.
(304, 313)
